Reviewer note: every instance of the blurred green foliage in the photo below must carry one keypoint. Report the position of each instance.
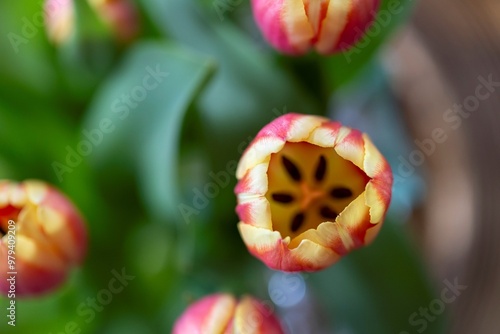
(216, 85)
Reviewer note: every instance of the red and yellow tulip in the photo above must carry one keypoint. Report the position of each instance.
(328, 26)
(42, 233)
(223, 314)
(310, 191)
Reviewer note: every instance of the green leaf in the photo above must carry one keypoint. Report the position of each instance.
(20, 131)
(140, 112)
(249, 89)
(25, 51)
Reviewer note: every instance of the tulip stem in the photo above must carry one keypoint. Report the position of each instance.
(309, 74)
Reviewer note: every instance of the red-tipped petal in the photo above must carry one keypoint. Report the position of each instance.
(222, 313)
(251, 316)
(208, 315)
(268, 17)
(360, 18)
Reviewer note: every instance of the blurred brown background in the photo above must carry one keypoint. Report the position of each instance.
(435, 64)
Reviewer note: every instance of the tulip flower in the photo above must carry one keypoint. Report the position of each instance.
(59, 20)
(42, 237)
(120, 15)
(328, 26)
(223, 314)
(310, 191)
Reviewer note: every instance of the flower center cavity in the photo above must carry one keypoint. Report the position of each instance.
(309, 185)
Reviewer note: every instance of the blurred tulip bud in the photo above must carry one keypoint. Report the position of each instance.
(310, 190)
(120, 15)
(59, 19)
(295, 26)
(223, 314)
(42, 237)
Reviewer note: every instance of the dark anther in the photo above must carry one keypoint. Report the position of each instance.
(292, 170)
(297, 222)
(341, 192)
(320, 169)
(282, 198)
(328, 213)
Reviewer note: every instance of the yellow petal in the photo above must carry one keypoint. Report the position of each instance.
(31, 251)
(333, 25)
(372, 233)
(355, 221)
(259, 239)
(377, 200)
(17, 195)
(299, 30)
(252, 317)
(36, 191)
(314, 256)
(220, 314)
(258, 152)
(350, 146)
(302, 128)
(374, 163)
(255, 211)
(58, 231)
(254, 182)
(325, 135)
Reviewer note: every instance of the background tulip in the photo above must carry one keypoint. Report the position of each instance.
(310, 191)
(222, 313)
(120, 15)
(59, 19)
(50, 237)
(328, 26)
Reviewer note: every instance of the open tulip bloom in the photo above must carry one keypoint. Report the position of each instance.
(295, 26)
(42, 237)
(223, 314)
(310, 190)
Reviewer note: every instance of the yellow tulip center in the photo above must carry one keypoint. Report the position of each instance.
(309, 185)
